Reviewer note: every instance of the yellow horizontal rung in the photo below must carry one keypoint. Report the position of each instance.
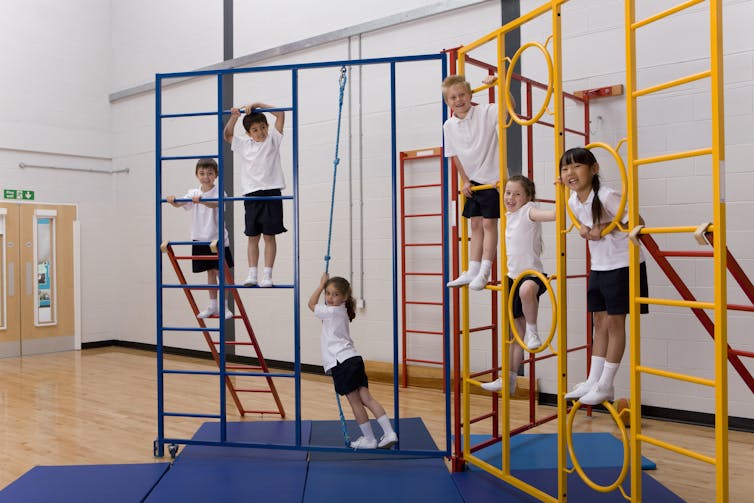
(665, 13)
(675, 448)
(693, 304)
(482, 88)
(675, 375)
(672, 83)
(667, 230)
(672, 157)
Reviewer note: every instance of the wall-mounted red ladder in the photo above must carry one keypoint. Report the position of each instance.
(231, 380)
(407, 300)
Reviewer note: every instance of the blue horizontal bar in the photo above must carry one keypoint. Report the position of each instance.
(240, 373)
(215, 199)
(189, 287)
(185, 157)
(318, 448)
(205, 114)
(193, 372)
(237, 373)
(179, 414)
(304, 66)
(192, 114)
(189, 242)
(270, 110)
(189, 329)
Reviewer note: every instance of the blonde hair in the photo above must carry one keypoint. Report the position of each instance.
(454, 80)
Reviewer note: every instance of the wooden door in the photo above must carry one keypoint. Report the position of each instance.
(40, 291)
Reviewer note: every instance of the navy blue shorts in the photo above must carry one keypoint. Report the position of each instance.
(608, 291)
(518, 309)
(349, 375)
(206, 265)
(264, 217)
(483, 203)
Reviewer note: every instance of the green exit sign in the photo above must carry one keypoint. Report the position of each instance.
(23, 194)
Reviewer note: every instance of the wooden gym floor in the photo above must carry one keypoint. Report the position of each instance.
(98, 406)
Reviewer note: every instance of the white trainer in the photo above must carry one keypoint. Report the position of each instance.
(480, 281)
(495, 385)
(228, 314)
(578, 391)
(532, 341)
(364, 443)
(597, 395)
(388, 440)
(266, 282)
(206, 313)
(464, 279)
(251, 280)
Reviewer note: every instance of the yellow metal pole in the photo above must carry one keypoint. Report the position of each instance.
(504, 322)
(633, 221)
(465, 412)
(561, 224)
(720, 248)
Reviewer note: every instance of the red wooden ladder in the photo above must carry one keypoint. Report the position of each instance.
(232, 385)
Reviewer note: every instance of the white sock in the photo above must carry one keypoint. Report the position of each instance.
(213, 304)
(253, 272)
(608, 374)
(531, 327)
(595, 370)
(366, 430)
(474, 267)
(384, 423)
(268, 272)
(486, 266)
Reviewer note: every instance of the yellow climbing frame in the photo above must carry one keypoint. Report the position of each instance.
(715, 150)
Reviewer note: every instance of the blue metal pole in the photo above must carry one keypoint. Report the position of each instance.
(221, 263)
(305, 66)
(296, 258)
(445, 278)
(394, 206)
(159, 450)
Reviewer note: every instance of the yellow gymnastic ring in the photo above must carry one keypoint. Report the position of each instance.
(624, 437)
(509, 76)
(516, 335)
(623, 196)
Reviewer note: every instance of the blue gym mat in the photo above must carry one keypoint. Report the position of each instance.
(481, 487)
(79, 483)
(536, 451)
(219, 480)
(412, 432)
(259, 432)
(379, 481)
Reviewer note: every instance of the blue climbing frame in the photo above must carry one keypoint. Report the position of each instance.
(222, 373)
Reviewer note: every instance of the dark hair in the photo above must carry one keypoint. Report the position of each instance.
(527, 184)
(580, 155)
(206, 163)
(344, 288)
(253, 118)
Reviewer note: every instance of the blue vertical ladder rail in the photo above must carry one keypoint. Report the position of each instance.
(222, 373)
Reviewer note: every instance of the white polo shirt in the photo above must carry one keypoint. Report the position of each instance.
(610, 252)
(260, 162)
(335, 342)
(473, 140)
(523, 241)
(204, 220)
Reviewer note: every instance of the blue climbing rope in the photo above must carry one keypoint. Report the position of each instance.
(335, 162)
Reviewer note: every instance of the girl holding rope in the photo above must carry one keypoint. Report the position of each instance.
(341, 360)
